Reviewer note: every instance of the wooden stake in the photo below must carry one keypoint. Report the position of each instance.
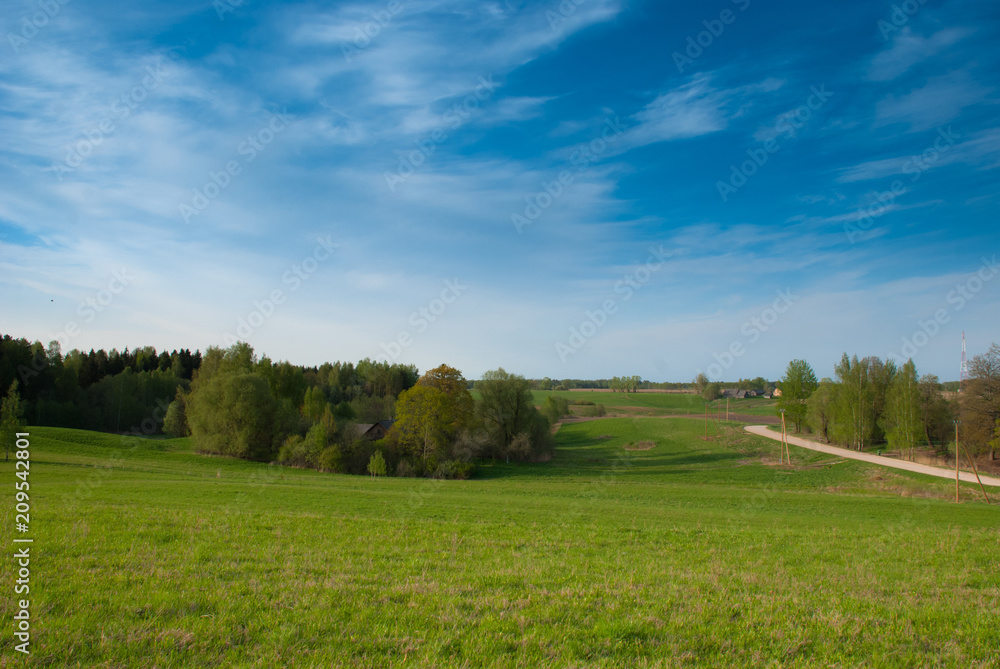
(969, 455)
(956, 462)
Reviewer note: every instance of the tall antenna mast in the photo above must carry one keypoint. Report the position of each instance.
(964, 372)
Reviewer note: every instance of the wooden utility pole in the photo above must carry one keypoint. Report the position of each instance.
(956, 462)
(784, 442)
(972, 462)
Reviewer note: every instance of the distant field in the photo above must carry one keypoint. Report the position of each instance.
(661, 404)
(693, 553)
(634, 403)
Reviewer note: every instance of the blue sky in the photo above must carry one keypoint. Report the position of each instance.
(578, 189)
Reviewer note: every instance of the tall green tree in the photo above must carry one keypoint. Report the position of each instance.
(507, 409)
(980, 402)
(699, 383)
(10, 419)
(880, 374)
(820, 408)
(431, 415)
(901, 418)
(231, 410)
(796, 386)
(711, 392)
(854, 415)
(936, 413)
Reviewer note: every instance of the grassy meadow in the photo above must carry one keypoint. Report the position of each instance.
(690, 553)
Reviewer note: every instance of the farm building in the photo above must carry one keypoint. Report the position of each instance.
(736, 393)
(374, 431)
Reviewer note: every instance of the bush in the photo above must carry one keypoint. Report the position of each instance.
(595, 411)
(175, 422)
(329, 460)
(587, 403)
(555, 408)
(453, 469)
(376, 465)
(292, 452)
(405, 470)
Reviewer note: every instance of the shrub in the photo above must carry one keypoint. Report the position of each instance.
(329, 460)
(454, 469)
(376, 465)
(405, 469)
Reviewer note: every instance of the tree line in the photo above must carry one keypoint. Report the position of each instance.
(230, 402)
(872, 402)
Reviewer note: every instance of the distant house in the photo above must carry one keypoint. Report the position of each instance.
(762, 393)
(735, 393)
(374, 431)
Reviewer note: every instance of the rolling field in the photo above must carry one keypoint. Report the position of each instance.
(691, 553)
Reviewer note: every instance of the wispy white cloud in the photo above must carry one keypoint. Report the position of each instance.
(938, 101)
(908, 49)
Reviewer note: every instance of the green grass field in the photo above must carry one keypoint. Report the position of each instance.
(692, 553)
(653, 404)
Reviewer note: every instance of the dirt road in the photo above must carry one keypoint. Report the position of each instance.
(874, 459)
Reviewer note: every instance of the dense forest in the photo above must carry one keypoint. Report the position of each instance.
(231, 402)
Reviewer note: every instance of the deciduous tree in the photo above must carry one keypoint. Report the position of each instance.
(901, 419)
(796, 386)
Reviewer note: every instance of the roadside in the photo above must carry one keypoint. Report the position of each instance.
(969, 477)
